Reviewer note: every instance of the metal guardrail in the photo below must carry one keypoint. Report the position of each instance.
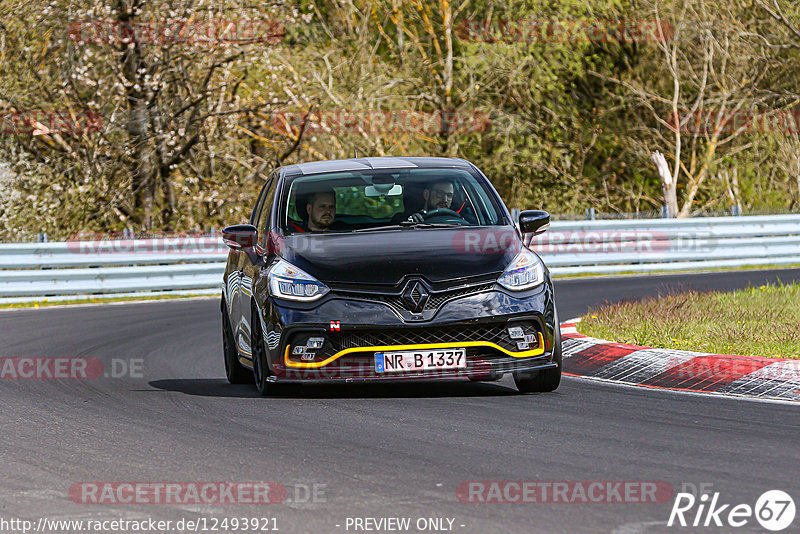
(68, 270)
(111, 267)
(616, 246)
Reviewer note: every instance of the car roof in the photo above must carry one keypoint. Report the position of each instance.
(360, 164)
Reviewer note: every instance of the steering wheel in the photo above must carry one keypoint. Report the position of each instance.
(438, 212)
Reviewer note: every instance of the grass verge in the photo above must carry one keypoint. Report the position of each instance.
(757, 321)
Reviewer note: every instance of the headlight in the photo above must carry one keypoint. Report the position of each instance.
(288, 282)
(525, 271)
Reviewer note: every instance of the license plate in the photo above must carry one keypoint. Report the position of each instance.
(420, 360)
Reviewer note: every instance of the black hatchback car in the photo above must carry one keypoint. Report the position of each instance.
(387, 269)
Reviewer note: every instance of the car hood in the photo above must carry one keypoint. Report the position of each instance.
(385, 257)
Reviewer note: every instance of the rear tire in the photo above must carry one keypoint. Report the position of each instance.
(234, 370)
(544, 380)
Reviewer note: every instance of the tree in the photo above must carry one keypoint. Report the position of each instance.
(690, 99)
(167, 79)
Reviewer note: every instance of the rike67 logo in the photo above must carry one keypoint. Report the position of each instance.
(774, 510)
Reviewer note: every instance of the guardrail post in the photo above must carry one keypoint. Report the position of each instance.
(590, 214)
(41, 238)
(664, 212)
(735, 211)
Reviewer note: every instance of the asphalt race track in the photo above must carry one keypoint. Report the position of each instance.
(373, 451)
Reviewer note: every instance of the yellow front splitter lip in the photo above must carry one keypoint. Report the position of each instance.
(538, 351)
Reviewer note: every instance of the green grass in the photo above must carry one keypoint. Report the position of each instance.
(758, 321)
(98, 300)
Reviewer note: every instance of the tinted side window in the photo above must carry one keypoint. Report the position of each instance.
(257, 209)
(262, 217)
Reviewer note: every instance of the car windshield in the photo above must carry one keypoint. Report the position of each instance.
(385, 199)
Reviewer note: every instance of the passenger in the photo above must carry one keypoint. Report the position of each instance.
(321, 210)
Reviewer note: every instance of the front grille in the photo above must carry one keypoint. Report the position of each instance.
(436, 300)
(417, 336)
(481, 362)
(496, 333)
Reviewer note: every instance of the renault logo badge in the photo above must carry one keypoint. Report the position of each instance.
(416, 296)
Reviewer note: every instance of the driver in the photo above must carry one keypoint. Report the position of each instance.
(437, 195)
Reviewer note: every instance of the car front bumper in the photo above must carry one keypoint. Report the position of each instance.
(354, 330)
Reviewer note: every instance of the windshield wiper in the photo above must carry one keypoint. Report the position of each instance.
(429, 225)
(379, 228)
(407, 224)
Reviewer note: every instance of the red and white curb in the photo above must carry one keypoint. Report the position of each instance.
(682, 370)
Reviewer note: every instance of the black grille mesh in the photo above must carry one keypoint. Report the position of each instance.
(436, 300)
(417, 336)
(495, 333)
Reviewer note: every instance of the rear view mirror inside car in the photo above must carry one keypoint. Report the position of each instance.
(380, 190)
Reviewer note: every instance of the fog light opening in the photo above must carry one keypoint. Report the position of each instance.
(516, 332)
(524, 335)
(315, 342)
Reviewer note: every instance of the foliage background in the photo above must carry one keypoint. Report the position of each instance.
(190, 130)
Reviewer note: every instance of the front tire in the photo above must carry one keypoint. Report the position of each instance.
(545, 380)
(234, 370)
(260, 366)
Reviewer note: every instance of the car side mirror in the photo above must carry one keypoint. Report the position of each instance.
(534, 221)
(240, 237)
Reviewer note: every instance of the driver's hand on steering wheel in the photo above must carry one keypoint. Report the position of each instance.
(417, 217)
